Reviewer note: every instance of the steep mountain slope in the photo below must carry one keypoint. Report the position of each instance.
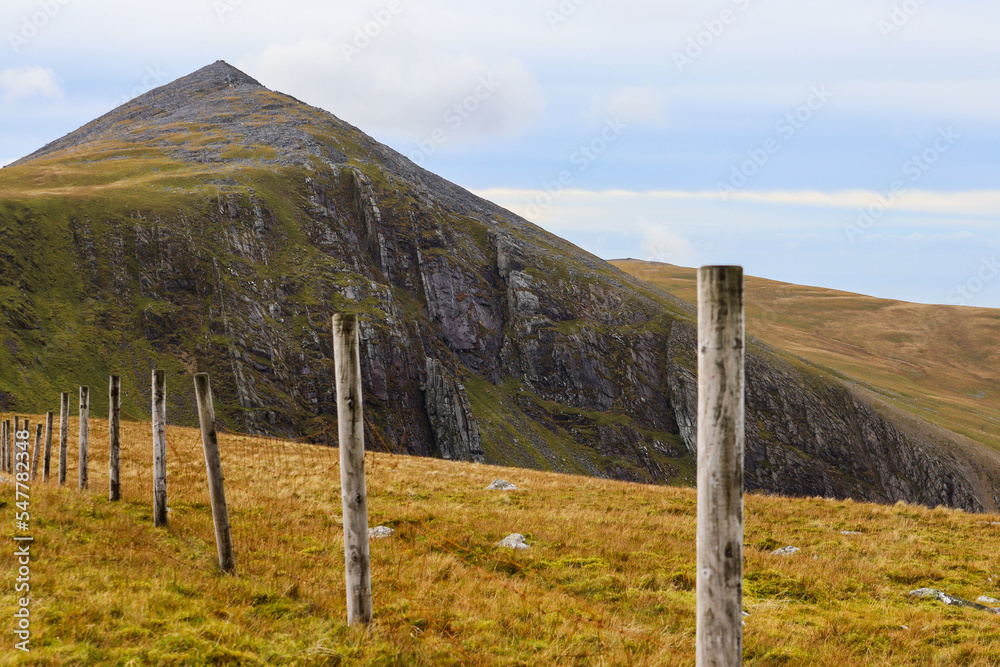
(941, 363)
(215, 225)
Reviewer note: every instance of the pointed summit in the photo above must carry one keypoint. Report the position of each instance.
(219, 75)
(201, 96)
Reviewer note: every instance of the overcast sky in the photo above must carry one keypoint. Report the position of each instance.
(852, 144)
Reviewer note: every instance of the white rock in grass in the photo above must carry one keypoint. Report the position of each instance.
(850, 532)
(951, 599)
(501, 485)
(785, 551)
(513, 541)
(986, 599)
(380, 531)
(926, 593)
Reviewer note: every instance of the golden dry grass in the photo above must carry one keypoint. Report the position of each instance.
(609, 578)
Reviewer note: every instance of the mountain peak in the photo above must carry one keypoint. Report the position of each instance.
(197, 97)
(220, 75)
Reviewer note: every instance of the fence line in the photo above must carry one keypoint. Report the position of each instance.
(290, 486)
(285, 485)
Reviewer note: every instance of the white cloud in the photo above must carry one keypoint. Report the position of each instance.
(633, 104)
(661, 244)
(18, 83)
(403, 86)
(978, 203)
(605, 208)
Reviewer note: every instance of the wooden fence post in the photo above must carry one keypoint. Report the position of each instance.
(114, 435)
(213, 465)
(63, 435)
(354, 495)
(47, 458)
(719, 633)
(4, 443)
(11, 446)
(159, 393)
(35, 452)
(84, 435)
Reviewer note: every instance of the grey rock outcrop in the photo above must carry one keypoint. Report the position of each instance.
(456, 432)
(951, 599)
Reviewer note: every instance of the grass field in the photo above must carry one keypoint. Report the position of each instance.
(608, 580)
(941, 363)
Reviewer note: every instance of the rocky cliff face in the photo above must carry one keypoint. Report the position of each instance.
(246, 219)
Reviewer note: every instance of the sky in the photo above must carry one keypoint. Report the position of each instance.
(849, 144)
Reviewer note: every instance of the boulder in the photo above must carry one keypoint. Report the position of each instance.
(513, 541)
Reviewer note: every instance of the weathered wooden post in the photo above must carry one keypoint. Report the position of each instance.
(84, 435)
(159, 393)
(213, 465)
(63, 435)
(47, 458)
(114, 433)
(11, 446)
(719, 634)
(354, 495)
(4, 443)
(8, 460)
(35, 452)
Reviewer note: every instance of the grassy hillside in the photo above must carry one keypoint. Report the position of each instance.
(941, 363)
(609, 578)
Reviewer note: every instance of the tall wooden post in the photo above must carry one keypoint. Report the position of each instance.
(719, 634)
(63, 434)
(4, 430)
(47, 458)
(4, 443)
(84, 435)
(12, 445)
(213, 465)
(354, 495)
(114, 434)
(35, 452)
(159, 394)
